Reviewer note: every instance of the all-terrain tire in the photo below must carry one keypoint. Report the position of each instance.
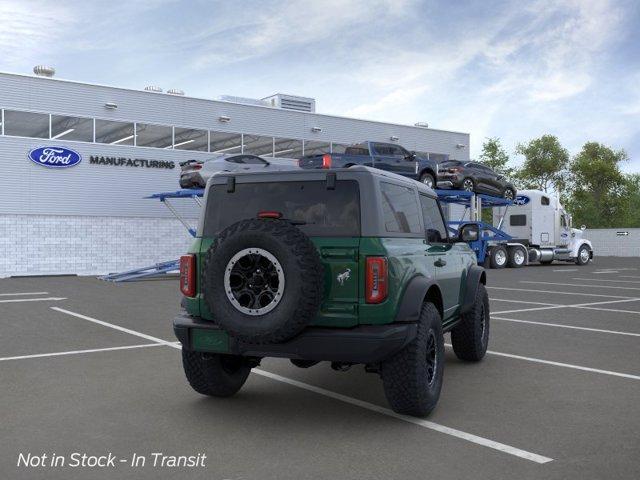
(411, 385)
(303, 280)
(214, 374)
(470, 337)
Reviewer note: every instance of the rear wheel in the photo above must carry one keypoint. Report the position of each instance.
(412, 378)
(470, 337)
(214, 374)
(517, 257)
(498, 257)
(428, 180)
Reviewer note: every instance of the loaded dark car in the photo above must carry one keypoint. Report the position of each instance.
(351, 266)
(474, 177)
(384, 156)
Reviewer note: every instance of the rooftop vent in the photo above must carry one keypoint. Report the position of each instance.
(422, 124)
(44, 71)
(175, 91)
(244, 100)
(291, 102)
(153, 88)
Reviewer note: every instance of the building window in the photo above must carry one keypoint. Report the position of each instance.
(157, 136)
(287, 148)
(114, 133)
(258, 145)
(312, 147)
(226, 143)
(190, 139)
(399, 208)
(71, 128)
(338, 147)
(26, 124)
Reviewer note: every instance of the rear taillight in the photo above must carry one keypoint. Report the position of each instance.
(197, 166)
(188, 275)
(376, 280)
(326, 161)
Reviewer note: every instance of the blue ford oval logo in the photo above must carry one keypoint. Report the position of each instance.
(521, 200)
(55, 157)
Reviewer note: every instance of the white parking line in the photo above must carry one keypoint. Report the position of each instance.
(560, 364)
(370, 406)
(580, 285)
(629, 276)
(77, 352)
(573, 327)
(416, 421)
(19, 300)
(522, 301)
(606, 280)
(580, 294)
(115, 327)
(575, 305)
(567, 270)
(610, 310)
(606, 271)
(23, 293)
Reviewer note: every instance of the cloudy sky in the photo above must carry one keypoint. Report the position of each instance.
(510, 69)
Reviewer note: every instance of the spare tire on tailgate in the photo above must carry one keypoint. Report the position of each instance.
(262, 280)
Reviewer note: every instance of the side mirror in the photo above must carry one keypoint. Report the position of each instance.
(410, 156)
(583, 227)
(469, 232)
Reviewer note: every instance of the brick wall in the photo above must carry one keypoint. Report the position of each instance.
(50, 245)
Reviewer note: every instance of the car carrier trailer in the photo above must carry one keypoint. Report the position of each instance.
(533, 228)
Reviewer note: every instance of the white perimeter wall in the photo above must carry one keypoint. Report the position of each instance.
(613, 242)
(52, 245)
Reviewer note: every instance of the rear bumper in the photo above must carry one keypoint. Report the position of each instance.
(445, 184)
(363, 344)
(191, 179)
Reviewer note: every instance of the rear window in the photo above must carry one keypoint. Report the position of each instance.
(518, 220)
(357, 150)
(322, 212)
(450, 163)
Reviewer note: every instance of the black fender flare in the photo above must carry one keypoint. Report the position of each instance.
(475, 276)
(429, 170)
(413, 297)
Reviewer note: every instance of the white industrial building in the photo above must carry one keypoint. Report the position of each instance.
(92, 218)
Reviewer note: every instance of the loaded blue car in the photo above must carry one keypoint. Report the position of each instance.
(384, 156)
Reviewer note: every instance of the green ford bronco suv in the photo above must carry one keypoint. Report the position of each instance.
(349, 266)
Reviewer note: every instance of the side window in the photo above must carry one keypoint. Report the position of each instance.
(382, 149)
(563, 221)
(544, 200)
(399, 209)
(434, 226)
(518, 220)
(396, 151)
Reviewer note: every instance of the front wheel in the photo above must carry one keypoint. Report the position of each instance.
(214, 374)
(584, 255)
(509, 194)
(470, 337)
(412, 378)
(428, 180)
(468, 185)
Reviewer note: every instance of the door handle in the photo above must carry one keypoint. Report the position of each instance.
(440, 262)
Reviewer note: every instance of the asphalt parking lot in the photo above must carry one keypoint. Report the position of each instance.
(89, 366)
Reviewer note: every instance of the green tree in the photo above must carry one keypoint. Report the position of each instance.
(495, 157)
(599, 192)
(632, 194)
(545, 164)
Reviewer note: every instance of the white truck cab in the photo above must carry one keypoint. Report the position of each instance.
(540, 223)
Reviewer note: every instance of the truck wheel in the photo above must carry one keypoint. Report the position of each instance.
(517, 257)
(262, 280)
(509, 194)
(412, 378)
(498, 257)
(214, 374)
(470, 337)
(428, 180)
(584, 255)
